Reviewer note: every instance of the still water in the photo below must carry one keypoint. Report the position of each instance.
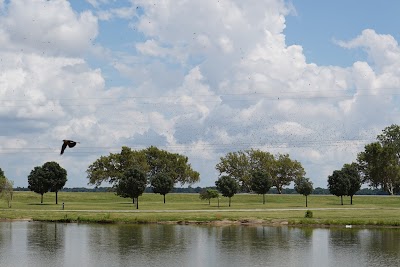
(56, 244)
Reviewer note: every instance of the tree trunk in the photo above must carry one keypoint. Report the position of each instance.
(56, 197)
(137, 203)
(133, 200)
(229, 201)
(41, 199)
(341, 200)
(164, 199)
(279, 189)
(351, 200)
(306, 202)
(263, 198)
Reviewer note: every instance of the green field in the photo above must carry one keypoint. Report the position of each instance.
(188, 208)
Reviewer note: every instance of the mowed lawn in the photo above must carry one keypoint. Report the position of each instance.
(290, 209)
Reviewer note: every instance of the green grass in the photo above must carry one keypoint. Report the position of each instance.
(184, 208)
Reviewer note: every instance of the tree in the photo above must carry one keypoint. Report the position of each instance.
(227, 186)
(261, 182)
(112, 167)
(241, 164)
(56, 176)
(208, 194)
(303, 186)
(353, 175)
(379, 166)
(132, 184)
(3, 180)
(338, 184)
(6, 191)
(161, 184)
(151, 161)
(286, 171)
(174, 165)
(38, 182)
(6, 188)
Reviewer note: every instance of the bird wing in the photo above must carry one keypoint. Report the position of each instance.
(63, 148)
(71, 143)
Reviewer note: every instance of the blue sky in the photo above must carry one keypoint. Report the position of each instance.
(316, 24)
(315, 79)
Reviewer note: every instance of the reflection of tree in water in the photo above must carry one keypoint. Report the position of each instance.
(141, 243)
(5, 232)
(46, 240)
(372, 247)
(383, 245)
(261, 243)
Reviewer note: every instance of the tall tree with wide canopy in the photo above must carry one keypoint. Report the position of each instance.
(151, 161)
(112, 167)
(161, 184)
(380, 161)
(241, 164)
(303, 186)
(132, 184)
(56, 176)
(227, 186)
(37, 181)
(379, 167)
(261, 182)
(174, 165)
(286, 171)
(338, 184)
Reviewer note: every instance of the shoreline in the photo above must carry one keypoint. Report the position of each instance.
(221, 223)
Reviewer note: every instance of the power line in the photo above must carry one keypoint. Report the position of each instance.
(212, 146)
(175, 99)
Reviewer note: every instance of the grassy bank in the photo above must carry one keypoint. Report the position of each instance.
(188, 208)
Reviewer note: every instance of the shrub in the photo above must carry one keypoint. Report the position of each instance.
(308, 214)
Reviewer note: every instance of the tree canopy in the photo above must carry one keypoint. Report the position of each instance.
(227, 186)
(351, 171)
(161, 184)
(379, 163)
(241, 164)
(208, 194)
(151, 161)
(261, 182)
(38, 182)
(6, 188)
(131, 184)
(286, 171)
(303, 186)
(338, 184)
(56, 176)
(48, 177)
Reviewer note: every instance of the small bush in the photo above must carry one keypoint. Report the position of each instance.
(308, 214)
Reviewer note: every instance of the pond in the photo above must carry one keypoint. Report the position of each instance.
(24, 243)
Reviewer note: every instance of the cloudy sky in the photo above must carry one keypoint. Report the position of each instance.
(315, 79)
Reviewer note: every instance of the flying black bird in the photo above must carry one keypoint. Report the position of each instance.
(68, 143)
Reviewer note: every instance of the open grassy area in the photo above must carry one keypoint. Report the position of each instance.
(107, 207)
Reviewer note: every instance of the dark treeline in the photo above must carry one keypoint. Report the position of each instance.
(316, 191)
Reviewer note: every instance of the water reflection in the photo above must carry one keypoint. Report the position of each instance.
(52, 244)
